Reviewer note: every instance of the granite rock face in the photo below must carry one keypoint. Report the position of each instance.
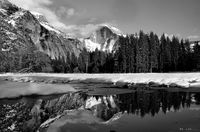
(104, 38)
(20, 28)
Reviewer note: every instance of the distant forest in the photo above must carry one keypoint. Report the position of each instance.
(140, 53)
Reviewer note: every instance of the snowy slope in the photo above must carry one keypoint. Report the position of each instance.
(50, 28)
(113, 28)
(43, 21)
(104, 38)
(91, 46)
(15, 17)
(180, 79)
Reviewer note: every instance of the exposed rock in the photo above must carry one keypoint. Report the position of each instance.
(103, 38)
(20, 28)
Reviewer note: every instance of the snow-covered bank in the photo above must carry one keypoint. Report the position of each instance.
(180, 79)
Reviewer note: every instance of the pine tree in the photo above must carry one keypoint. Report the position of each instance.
(154, 52)
(175, 49)
(196, 57)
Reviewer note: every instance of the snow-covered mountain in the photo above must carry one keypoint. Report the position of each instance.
(20, 28)
(104, 38)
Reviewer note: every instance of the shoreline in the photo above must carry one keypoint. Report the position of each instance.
(182, 80)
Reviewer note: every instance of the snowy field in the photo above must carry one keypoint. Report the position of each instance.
(181, 79)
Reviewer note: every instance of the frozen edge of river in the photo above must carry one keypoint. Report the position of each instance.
(185, 80)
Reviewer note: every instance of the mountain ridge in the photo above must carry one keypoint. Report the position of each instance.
(36, 23)
(47, 39)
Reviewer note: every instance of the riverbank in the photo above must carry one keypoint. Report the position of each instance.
(184, 80)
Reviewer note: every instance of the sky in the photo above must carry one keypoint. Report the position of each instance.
(178, 17)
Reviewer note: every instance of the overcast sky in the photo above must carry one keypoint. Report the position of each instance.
(179, 17)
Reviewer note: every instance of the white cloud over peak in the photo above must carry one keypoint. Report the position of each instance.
(85, 30)
(81, 30)
(54, 16)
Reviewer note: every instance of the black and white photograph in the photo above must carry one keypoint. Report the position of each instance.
(99, 65)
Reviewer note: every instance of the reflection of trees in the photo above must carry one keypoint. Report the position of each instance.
(150, 103)
(142, 103)
(197, 98)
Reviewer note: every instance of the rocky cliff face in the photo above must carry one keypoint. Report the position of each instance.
(21, 25)
(22, 29)
(11, 37)
(104, 39)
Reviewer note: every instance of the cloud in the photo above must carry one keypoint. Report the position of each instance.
(193, 37)
(40, 6)
(66, 12)
(31, 4)
(84, 30)
(92, 20)
(70, 12)
(81, 30)
(54, 17)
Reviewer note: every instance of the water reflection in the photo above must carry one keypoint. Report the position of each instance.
(140, 103)
(99, 109)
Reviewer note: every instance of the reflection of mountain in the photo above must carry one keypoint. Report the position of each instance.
(140, 103)
(103, 107)
(27, 113)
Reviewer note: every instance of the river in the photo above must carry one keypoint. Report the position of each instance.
(97, 108)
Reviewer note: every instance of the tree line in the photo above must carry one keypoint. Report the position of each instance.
(142, 53)
(136, 53)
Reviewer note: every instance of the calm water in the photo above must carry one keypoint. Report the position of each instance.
(140, 111)
(115, 110)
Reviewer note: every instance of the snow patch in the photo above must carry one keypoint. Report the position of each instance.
(14, 17)
(48, 27)
(18, 14)
(12, 127)
(91, 46)
(113, 29)
(124, 35)
(36, 14)
(5, 50)
(12, 22)
(109, 47)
